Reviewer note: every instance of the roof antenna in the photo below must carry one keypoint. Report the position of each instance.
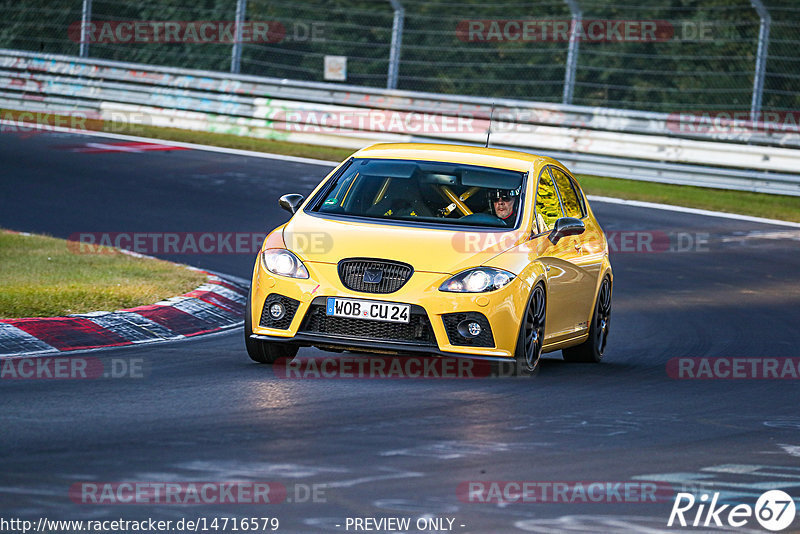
(489, 131)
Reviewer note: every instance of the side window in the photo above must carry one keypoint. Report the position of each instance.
(547, 206)
(569, 196)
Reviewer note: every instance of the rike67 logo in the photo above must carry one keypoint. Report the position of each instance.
(774, 510)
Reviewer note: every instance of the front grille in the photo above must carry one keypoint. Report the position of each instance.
(290, 305)
(394, 275)
(418, 330)
(484, 339)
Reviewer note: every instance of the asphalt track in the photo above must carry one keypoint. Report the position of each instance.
(204, 411)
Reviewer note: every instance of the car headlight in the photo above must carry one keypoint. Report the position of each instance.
(479, 280)
(281, 261)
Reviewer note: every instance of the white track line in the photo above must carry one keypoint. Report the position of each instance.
(694, 211)
(311, 161)
(192, 146)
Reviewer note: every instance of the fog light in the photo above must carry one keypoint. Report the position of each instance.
(277, 311)
(469, 329)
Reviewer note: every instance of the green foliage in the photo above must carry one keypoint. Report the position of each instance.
(707, 63)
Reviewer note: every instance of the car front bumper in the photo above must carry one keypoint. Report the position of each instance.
(502, 309)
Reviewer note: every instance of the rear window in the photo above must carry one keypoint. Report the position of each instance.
(569, 196)
(424, 192)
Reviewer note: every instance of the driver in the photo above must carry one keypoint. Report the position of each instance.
(503, 204)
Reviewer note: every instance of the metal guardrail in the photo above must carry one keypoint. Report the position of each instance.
(619, 143)
(605, 119)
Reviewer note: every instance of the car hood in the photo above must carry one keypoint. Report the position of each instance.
(323, 240)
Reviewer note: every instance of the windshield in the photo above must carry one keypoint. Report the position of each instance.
(424, 191)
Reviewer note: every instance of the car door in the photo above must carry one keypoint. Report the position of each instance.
(568, 282)
(587, 263)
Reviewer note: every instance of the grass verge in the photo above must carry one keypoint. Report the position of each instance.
(42, 277)
(172, 134)
(757, 204)
(783, 207)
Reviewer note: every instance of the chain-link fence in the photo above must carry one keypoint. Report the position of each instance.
(664, 55)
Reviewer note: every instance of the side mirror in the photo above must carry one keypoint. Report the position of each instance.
(564, 227)
(291, 202)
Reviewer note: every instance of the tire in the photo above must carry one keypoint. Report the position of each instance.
(591, 350)
(530, 341)
(264, 351)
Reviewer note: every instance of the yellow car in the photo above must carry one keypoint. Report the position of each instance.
(436, 249)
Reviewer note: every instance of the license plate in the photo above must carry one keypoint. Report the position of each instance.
(368, 309)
